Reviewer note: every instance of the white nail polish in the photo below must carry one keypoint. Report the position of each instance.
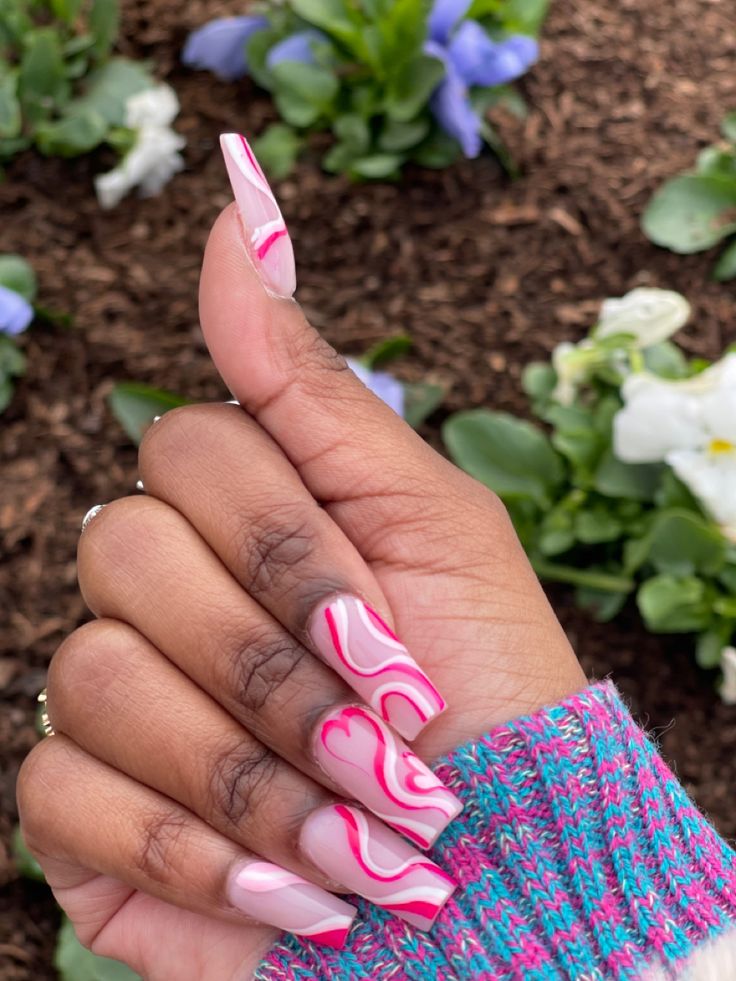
(139, 485)
(92, 513)
(156, 418)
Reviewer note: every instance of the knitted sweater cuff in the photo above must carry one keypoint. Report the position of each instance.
(578, 854)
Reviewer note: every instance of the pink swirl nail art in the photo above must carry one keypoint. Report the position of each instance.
(357, 644)
(277, 897)
(370, 763)
(362, 854)
(268, 240)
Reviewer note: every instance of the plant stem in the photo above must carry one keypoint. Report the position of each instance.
(581, 577)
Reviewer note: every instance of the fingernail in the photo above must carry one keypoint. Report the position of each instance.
(92, 513)
(356, 643)
(268, 240)
(359, 852)
(371, 764)
(284, 900)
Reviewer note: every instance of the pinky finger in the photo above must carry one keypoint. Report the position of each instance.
(77, 810)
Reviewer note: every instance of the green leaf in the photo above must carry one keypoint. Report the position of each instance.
(80, 130)
(538, 380)
(511, 456)
(338, 159)
(728, 577)
(303, 93)
(691, 213)
(666, 360)
(386, 351)
(682, 543)
(10, 115)
(103, 23)
(135, 405)
(65, 10)
(596, 525)
(277, 149)
(378, 166)
(637, 482)
(601, 605)
(397, 136)
(42, 82)
(12, 359)
(672, 605)
(420, 401)
(728, 126)
(24, 861)
(338, 20)
(352, 131)
(75, 963)
(725, 268)
(710, 644)
(6, 392)
(556, 532)
(714, 161)
(109, 87)
(16, 274)
(412, 86)
(438, 151)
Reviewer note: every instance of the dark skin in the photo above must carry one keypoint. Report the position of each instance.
(183, 713)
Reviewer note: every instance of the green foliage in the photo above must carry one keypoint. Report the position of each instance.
(16, 275)
(135, 406)
(59, 90)
(614, 531)
(695, 211)
(370, 84)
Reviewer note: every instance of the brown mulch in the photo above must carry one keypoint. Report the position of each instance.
(484, 275)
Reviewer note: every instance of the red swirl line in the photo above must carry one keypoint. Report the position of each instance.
(264, 248)
(412, 671)
(353, 833)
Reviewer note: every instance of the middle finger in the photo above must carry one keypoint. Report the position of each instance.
(131, 569)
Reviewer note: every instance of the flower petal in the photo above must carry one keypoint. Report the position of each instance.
(651, 315)
(157, 106)
(296, 47)
(451, 105)
(16, 312)
(220, 45)
(728, 685)
(385, 386)
(658, 417)
(479, 60)
(444, 16)
(711, 478)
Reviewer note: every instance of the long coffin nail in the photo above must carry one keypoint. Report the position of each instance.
(356, 643)
(359, 852)
(267, 238)
(277, 897)
(371, 764)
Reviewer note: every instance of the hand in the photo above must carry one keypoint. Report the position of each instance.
(197, 732)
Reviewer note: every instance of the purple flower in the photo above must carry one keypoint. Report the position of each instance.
(16, 312)
(220, 45)
(470, 57)
(296, 47)
(385, 386)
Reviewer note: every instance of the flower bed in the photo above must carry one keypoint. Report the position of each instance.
(484, 275)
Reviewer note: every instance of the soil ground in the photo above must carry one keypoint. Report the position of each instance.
(484, 274)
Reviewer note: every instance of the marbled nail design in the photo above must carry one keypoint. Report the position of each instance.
(356, 643)
(362, 854)
(371, 764)
(277, 897)
(91, 514)
(268, 240)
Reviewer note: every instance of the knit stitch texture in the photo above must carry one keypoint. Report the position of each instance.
(579, 857)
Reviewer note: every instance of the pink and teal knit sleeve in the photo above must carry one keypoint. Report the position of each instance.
(578, 856)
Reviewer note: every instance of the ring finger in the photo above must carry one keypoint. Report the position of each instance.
(149, 721)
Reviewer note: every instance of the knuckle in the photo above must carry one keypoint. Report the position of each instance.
(239, 780)
(273, 545)
(162, 836)
(42, 771)
(310, 353)
(86, 660)
(260, 667)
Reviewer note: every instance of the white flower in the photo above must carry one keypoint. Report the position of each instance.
(728, 685)
(689, 424)
(651, 315)
(571, 363)
(154, 157)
